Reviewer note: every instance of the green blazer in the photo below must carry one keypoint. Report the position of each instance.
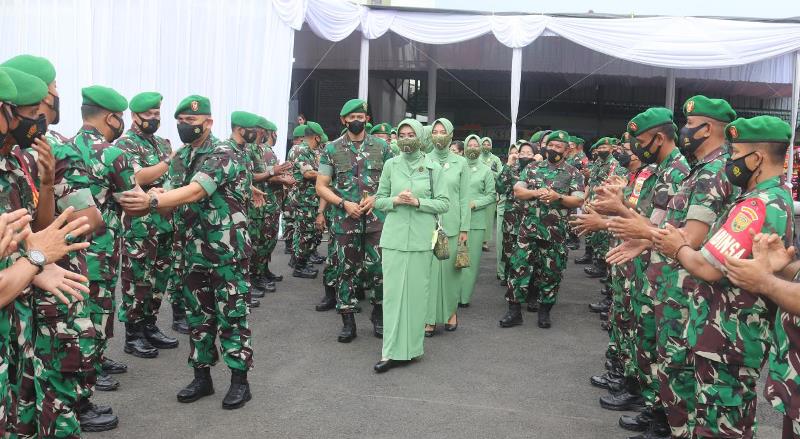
(481, 191)
(410, 228)
(456, 179)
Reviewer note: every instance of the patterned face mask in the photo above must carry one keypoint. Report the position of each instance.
(408, 145)
(472, 153)
(442, 141)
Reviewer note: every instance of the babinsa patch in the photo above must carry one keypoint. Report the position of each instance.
(735, 238)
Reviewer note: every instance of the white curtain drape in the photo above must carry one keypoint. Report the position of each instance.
(236, 52)
(516, 79)
(793, 122)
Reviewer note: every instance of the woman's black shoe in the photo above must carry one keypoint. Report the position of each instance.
(463, 305)
(384, 365)
(450, 328)
(430, 332)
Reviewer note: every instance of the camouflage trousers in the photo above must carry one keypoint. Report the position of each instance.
(216, 305)
(499, 226)
(64, 366)
(509, 240)
(146, 269)
(5, 395)
(540, 261)
(646, 357)
(726, 399)
(359, 267)
(618, 317)
(264, 238)
(305, 233)
(20, 396)
(331, 265)
(100, 306)
(791, 428)
(174, 287)
(288, 225)
(600, 243)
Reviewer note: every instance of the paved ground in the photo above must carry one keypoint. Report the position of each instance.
(478, 382)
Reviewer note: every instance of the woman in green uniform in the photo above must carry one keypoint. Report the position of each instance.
(481, 194)
(412, 193)
(445, 291)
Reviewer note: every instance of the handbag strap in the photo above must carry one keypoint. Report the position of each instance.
(430, 181)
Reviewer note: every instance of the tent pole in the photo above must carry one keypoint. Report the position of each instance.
(793, 122)
(431, 90)
(670, 98)
(516, 79)
(363, 69)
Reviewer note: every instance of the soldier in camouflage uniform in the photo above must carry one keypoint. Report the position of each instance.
(289, 202)
(513, 209)
(305, 170)
(265, 219)
(112, 174)
(551, 187)
(729, 329)
(213, 202)
(147, 241)
(577, 159)
(704, 193)
(349, 172)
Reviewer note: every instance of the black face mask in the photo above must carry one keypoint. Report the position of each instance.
(523, 162)
(117, 132)
(686, 141)
(149, 126)
(56, 107)
(603, 154)
(250, 136)
(644, 154)
(8, 117)
(554, 156)
(189, 133)
(29, 130)
(356, 126)
(738, 173)
(623, 158)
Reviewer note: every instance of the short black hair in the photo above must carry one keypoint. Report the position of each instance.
(668, 130)
(776, 151)
(523, 145)
(90, 111)
(459, 144)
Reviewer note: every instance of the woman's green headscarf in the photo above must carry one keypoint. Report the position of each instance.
(466, 146)
(485, 150)
(427, 139)
(414, 144)
(440, 142)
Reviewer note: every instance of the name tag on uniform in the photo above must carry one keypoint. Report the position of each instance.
(735, 238)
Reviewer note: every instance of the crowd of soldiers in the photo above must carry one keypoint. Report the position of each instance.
(681, 227)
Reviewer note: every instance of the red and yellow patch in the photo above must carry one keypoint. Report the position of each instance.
(735, 238)
(195, 105)
(632, 126)
(734, 133)
(690, 106)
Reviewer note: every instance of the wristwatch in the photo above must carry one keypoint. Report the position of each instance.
(36, 258)
(341, 204)
(153, 202)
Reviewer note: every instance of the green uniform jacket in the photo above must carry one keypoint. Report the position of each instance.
(456, 177)
(481, 191)
(410, 228)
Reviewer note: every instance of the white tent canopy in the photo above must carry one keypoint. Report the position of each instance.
(240, 52)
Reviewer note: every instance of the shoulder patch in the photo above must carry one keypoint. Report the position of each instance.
(735, 238)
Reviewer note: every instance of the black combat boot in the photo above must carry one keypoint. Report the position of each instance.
(596, 270)
(136, 344)
(377, 320)
(513, 316)
(113, 367)
(106, 383)
(93, 420)
(253, 302)
(574, 243)
(329, 301)
(626, 399)
(303, 270)
(605, 291)
(587, 258)
(179, 324)
(239, 391)
(269, 286)
(292, 261)
(158, 339)
(287, 245)
(257, 285)
(200, 386)
(272, 277)
(638, 422)
(615, 375)
(658, 428)
(544, 315)
(532, 299)
(348, 328)
(602, 306)
(316, 259)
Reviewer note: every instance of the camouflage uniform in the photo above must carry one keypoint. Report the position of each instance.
(656, 193)
(729, 329)
(355, 170)
(264, 220)
(146, 241)
(600, 171)
(215, 249)
(577, 161)
(783, 380)
(513, 212)
(702, 194)
(306, 204)
(290, 202)
(541, 250)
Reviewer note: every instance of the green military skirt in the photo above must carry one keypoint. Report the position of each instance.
(445, 289)
(406, 283)
(470, 274)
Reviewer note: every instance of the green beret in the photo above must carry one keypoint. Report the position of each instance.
(313, 128)
(382, 128)
(266, 124)
(602, 141)
(30, 89)
(717, 109)
(324, 138)
(104, 97)
(767, 129)
(613, 141)
(194, 104)
(537, 137)
(579, 141)
(368, 127)
(300, 131)
(145, 101)
(353, 106)
(37, 66)
(650, 118)
(573, 139)
(8, 91)
(559, 136)
(244, 119)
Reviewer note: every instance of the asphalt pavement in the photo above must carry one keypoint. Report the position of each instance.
(480, 381)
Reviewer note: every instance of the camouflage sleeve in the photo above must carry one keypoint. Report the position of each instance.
(123, 173)
(71, 185)
(503, 183)
(577, 188)
(305, 162)
(133, 152)
(325, 163)
(522, 180)
(709, 197)
(215, 170)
